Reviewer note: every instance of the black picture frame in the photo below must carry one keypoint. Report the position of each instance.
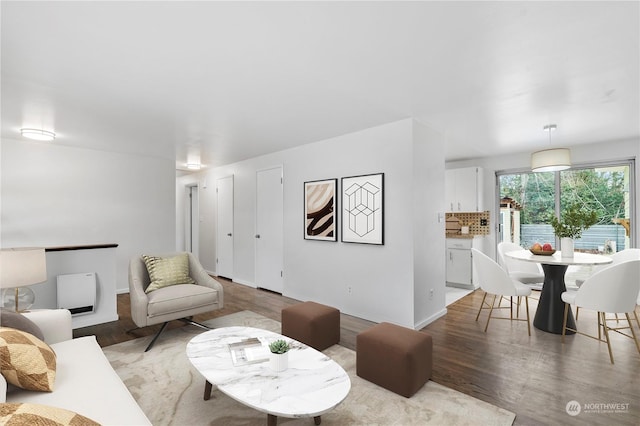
(321, 210)
(362, 201)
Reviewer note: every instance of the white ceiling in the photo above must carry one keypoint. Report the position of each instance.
(225, 81)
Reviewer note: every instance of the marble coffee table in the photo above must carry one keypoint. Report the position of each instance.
(312, 385)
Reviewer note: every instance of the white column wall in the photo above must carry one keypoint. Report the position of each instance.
(53, 195)
(429, 226)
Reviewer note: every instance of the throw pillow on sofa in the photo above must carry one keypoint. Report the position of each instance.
(38, 414)
(26, 361)
(166, 271)
(18, 321)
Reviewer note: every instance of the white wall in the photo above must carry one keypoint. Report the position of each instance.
(429, 227)
(381, 277)
(54, 195)
(582, 154)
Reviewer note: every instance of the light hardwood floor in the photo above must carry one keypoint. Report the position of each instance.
(535, 377)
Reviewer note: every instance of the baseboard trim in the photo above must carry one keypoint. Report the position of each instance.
(243, 282)
(425, 322)
(235, 280)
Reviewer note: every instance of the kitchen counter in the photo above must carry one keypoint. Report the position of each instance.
(461, 236)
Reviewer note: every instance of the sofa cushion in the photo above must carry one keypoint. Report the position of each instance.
(37, 414)
(167, 271)
(18, 321)
(26, 361)
(87, 384)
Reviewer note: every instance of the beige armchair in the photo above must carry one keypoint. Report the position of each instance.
(175, 302)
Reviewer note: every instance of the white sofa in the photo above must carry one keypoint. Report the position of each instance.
(85, 381)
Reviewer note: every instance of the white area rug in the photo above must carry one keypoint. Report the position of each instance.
(170, 391)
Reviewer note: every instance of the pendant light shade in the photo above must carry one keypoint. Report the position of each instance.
(551, 160)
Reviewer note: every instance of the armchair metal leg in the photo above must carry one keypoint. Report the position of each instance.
(185, 320)
(197, 324)
(153, 341)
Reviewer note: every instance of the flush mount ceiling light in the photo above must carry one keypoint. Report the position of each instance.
(550, 160)
(193, 166)
(38, 134)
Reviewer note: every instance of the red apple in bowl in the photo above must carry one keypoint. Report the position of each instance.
(547, 247)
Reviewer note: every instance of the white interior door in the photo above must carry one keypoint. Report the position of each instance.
(269, 229)
(224, 259)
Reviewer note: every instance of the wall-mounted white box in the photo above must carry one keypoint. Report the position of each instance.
(77, 293)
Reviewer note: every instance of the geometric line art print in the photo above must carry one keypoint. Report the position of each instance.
(362, 209)
(320, 213)
(361, 202)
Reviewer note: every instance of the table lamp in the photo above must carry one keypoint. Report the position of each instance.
(21, 267)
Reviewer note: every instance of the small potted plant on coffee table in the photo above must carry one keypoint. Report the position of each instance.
(279, 358)
(573, 222)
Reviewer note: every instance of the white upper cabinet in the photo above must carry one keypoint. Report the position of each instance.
(463, 189)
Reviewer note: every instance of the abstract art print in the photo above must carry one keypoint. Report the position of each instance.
(320, 212)
(363, 209)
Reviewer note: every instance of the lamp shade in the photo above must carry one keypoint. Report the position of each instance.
(21, 267)
(551, 160)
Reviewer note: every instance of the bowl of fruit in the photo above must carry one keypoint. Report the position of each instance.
(542, 249)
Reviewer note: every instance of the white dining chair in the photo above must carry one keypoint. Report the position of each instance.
(619, 257)
(495, 281)
(529, 273)
(614, 290)
(520, 270)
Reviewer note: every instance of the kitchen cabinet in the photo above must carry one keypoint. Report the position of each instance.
(463, 189)
(459, 268)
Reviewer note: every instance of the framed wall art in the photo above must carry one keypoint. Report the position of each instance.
(363, 209)
(320, 210)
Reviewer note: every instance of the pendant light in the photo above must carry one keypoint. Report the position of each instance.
(553, 159)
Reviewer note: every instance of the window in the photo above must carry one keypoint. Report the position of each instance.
(528, 199)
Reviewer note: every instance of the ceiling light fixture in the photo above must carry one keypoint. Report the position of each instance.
(38, 134)
(551, 160)
(193, 166)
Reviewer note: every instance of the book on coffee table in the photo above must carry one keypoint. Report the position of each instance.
(249, 351)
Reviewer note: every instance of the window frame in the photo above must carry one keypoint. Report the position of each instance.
(630, 162)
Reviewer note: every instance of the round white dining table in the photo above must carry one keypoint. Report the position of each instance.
(550, 311)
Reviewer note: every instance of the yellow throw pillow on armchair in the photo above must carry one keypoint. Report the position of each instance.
(166, 271)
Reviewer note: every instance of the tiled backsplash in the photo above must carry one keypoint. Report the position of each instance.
(478, 222)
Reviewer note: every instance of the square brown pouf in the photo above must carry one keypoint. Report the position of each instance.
(397, 358)
(313, 324)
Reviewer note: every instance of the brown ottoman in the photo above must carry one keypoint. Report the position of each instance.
(394, 357)
(313, 324)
